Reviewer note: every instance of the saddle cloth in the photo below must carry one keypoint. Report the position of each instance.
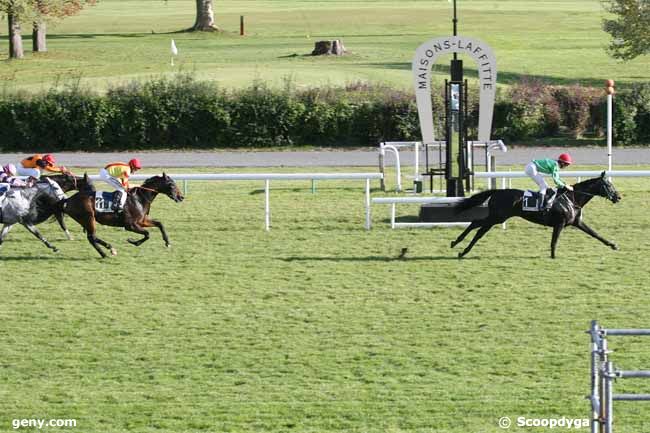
(104, 201)
(531, 201)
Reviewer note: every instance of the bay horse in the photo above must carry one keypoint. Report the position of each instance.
(565, 211)
(30, 206)
(134, 217)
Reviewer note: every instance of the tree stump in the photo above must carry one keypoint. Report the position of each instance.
(334, 48)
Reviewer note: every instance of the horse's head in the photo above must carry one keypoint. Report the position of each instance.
(66, 180)
(164, 185)
(606, 189)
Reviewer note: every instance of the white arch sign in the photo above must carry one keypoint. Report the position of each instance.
(426, 56)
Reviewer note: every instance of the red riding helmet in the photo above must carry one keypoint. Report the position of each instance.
(135, 164)
(49, 159)
(565, 158)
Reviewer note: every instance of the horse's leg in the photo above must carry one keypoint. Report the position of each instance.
(479, 234)
(556, 234)
(135, 228)
(5, 231)
(59, 218)
(87, 221)
(33, 230)
(155, 223)
(591, 232)
(462, 236)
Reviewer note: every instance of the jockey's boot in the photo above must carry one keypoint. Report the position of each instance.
(547, 201)
(117, 201)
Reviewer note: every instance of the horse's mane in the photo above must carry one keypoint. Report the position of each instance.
(588, 182)
(150, 180)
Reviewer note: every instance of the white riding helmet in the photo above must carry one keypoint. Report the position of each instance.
(10, 169)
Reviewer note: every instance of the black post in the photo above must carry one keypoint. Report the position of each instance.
(455, 124)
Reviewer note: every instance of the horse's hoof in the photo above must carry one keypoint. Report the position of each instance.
(69, 236)
(132, 242)
(460, 255)
(168, 245)
(55, 250)
(113, 252)
(453, 244)
(614, 247)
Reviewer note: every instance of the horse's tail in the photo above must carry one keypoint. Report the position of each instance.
(473, 201)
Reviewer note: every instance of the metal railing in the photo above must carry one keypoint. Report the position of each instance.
(603, 375)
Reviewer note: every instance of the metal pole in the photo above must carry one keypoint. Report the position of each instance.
(382, 167)
(392, 215)
(595, 357)
(493, 165)
(368, 204)
(417, 167)
(633, 373)
(267, 206)
(609, 393)
(637, 332)
(313, 186)
(241, 26)
(631, 397)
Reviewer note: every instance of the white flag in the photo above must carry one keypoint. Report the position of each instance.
(174, 49)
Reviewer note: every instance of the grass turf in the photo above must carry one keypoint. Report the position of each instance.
(316, 325)
(120, 40)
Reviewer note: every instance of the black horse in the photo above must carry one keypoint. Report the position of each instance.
(566, 210)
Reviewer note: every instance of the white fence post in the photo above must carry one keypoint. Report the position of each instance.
(267, 205)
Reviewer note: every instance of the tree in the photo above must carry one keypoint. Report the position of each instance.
(630, 30)
(52, 9)
(204, 17)
(36, 12)
(14, 9)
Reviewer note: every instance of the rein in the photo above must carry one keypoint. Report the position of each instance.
(148, 189)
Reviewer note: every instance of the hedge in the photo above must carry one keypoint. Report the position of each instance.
(185, 113)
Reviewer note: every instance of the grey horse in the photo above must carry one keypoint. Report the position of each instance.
(30, 206)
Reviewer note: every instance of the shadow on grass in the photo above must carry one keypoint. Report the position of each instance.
(374, 259)
(52, 257)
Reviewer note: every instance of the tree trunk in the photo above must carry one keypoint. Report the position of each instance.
(334, 47)
(39, 34)
(204, 17)
(15, 38)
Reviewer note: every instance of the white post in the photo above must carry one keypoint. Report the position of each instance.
(267, 206)
(503, 186)
(417, 160)
(609, 132)
(490, 184)
(367, 203)
(392, 215)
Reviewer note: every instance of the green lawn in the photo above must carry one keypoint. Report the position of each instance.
(316, 326)
(120, 40)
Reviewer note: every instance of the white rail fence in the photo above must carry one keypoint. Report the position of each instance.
(367, 177)
(267, 178)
